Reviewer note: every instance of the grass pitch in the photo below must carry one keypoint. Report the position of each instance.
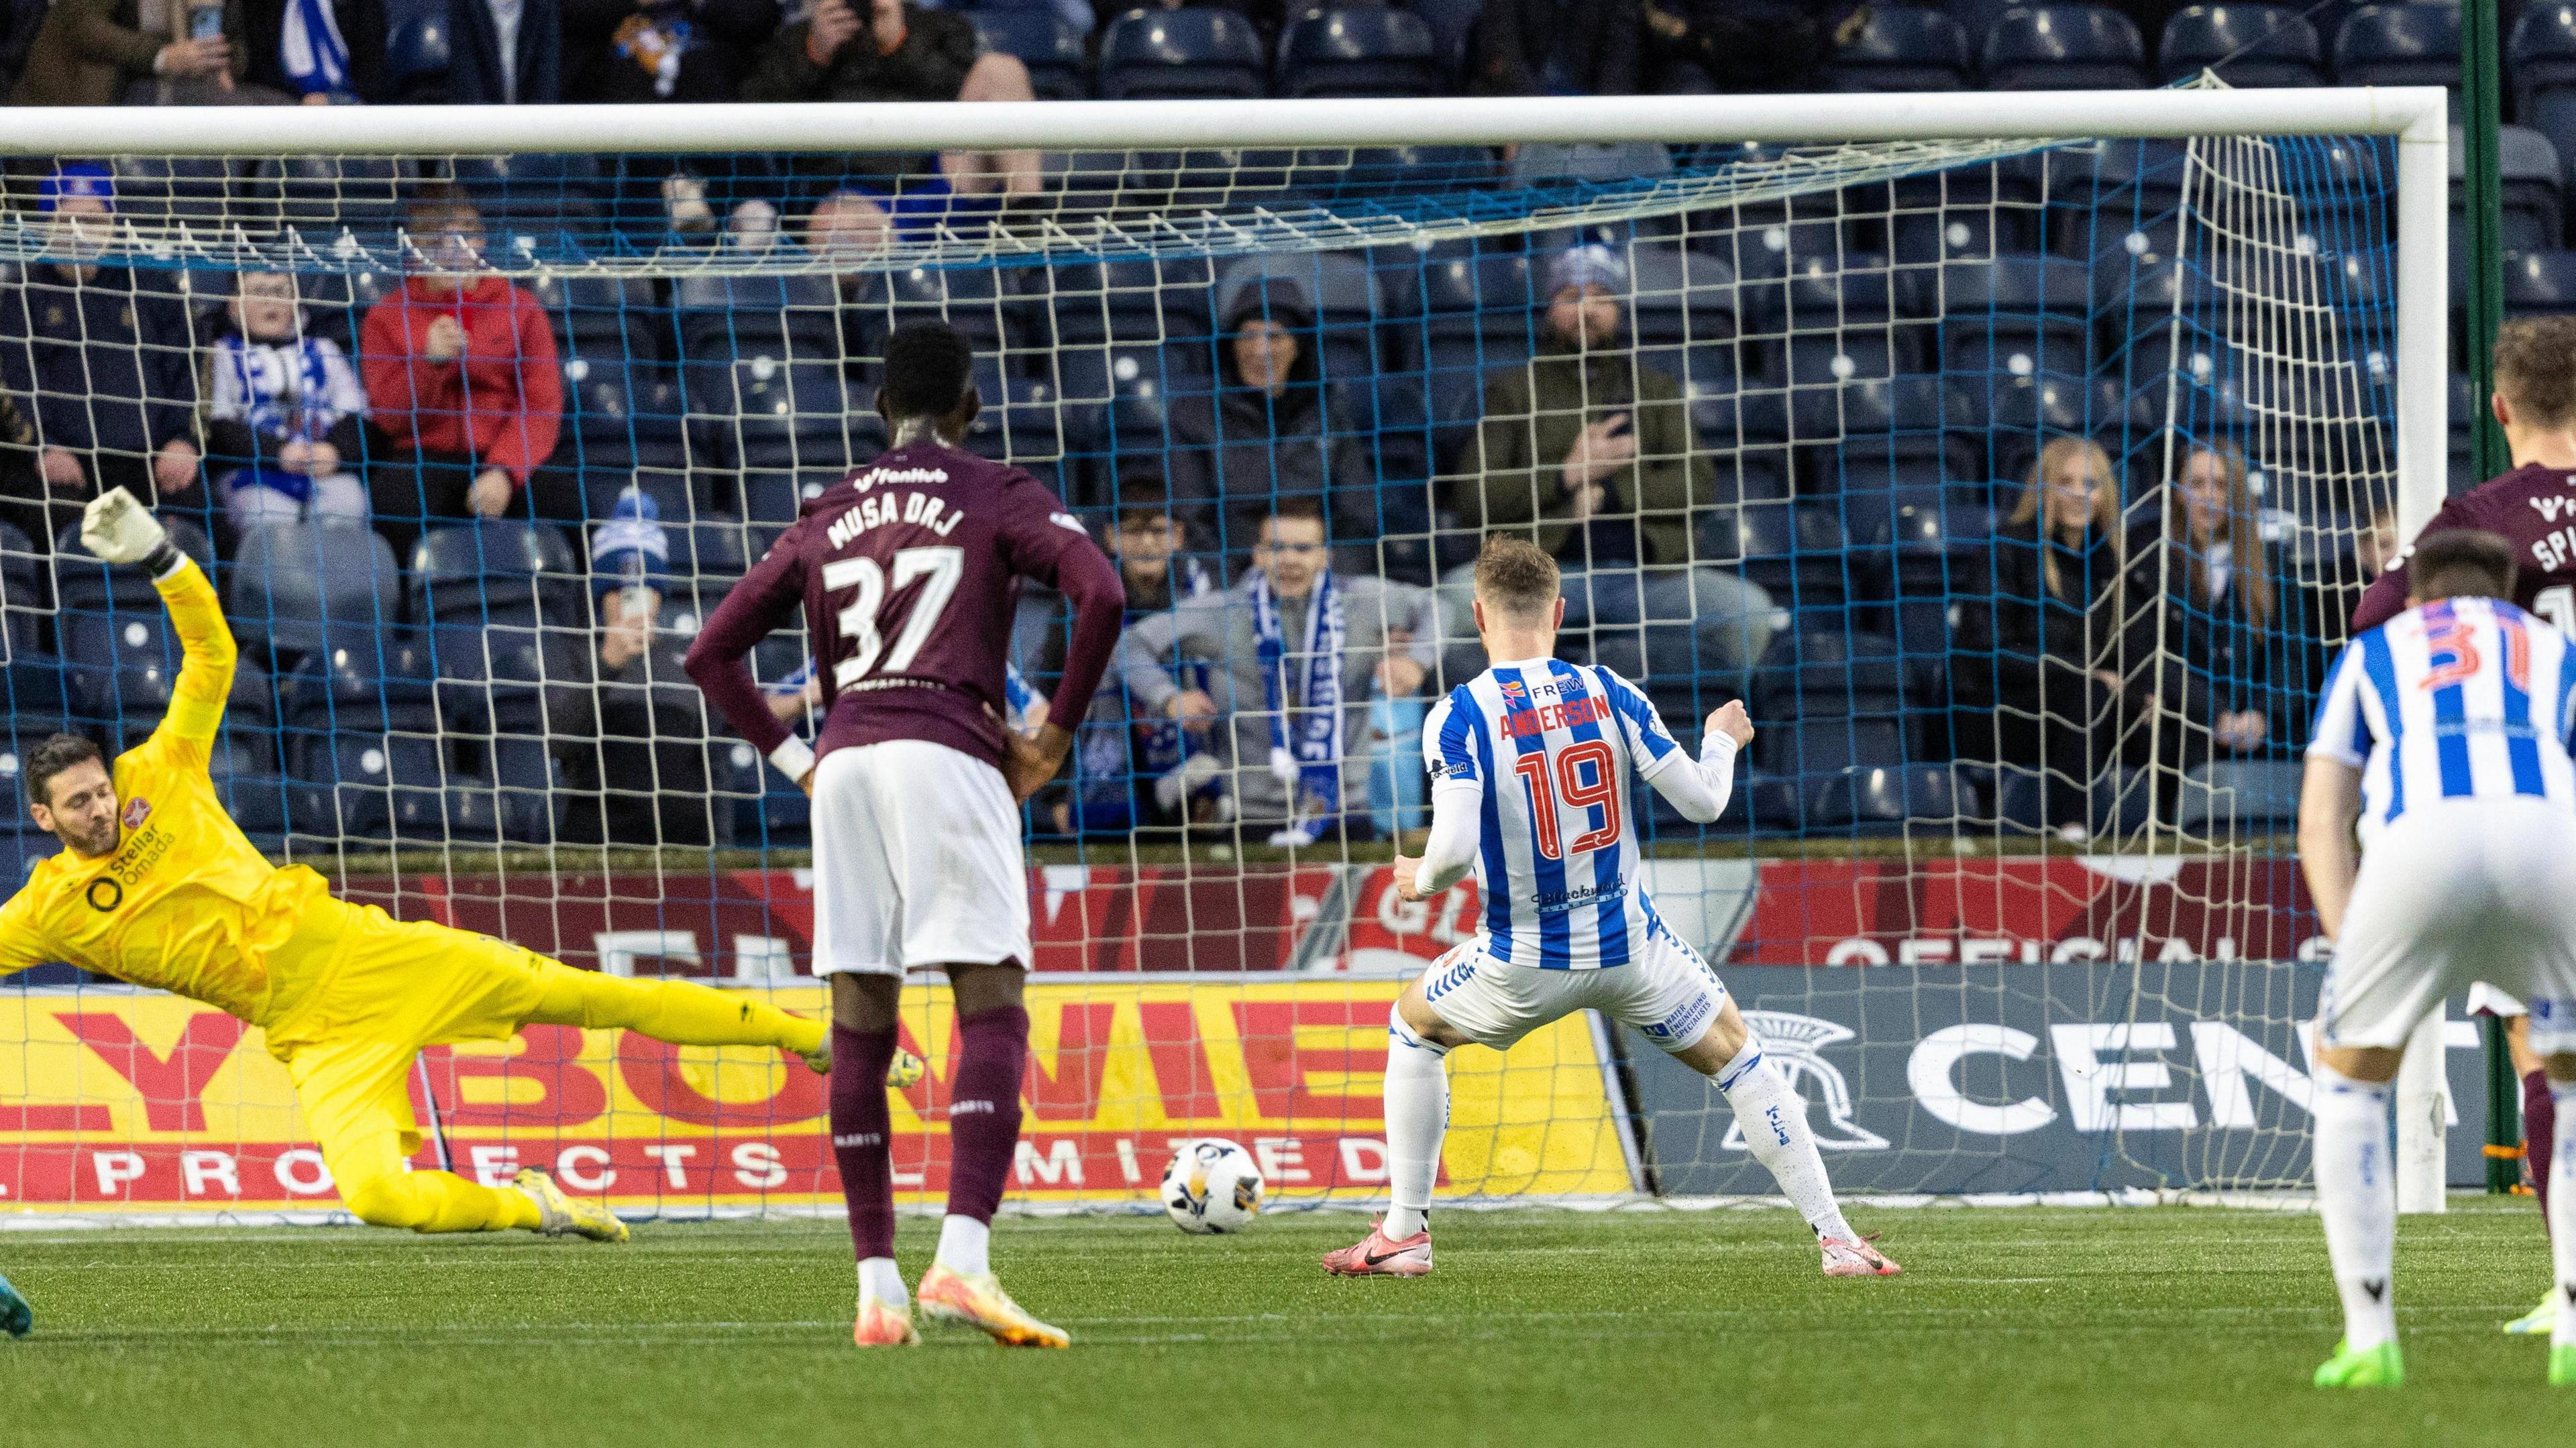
(2011, 1326)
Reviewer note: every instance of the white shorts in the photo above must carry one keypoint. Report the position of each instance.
(917, 861)
(2452, 894)
(1665, 990)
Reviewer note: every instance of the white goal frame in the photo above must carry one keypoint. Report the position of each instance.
(2415, 116)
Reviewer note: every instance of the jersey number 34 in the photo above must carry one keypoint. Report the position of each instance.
(1565, 781)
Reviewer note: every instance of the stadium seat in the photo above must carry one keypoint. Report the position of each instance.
(308, 586)
(1143, 300)
(1042, 41)
(2021, 316)
(1885, 800)
(2064, 47)
(1914, 419)
(1189, 54)
(730, 316)
(1359, 52)
(1543, 161)
(2020, 415)
(2248, 45)
(763, 413)
(504, 576)
(2533, 187)
(83, 584)
(2540, 282)
(2541, 68)
(2240, 798)
(1903, 48)
(1794, 551)
(326, 195)
(2400, 44)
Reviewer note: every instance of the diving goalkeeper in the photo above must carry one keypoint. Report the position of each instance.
(157, 886)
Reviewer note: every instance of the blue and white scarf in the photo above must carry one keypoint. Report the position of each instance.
(1306, 735)
(1161, 744)
(283, 391)
(311, 50)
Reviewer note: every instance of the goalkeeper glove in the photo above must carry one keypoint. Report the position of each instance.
(120, 530)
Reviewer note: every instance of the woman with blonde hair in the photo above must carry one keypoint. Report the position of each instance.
(2233, 639)
(2041, 667)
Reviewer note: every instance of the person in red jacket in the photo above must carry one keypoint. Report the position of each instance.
(461, 380)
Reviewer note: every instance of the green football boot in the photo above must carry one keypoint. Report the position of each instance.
(16, 1317)
(2539, 1320)
(2379, 1367)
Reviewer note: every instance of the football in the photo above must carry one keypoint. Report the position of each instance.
(1212, 1186)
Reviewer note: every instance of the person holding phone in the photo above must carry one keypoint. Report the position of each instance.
(89, 51)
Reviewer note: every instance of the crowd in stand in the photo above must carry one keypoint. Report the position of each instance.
(1273, 646)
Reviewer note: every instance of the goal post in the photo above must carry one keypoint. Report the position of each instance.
(1851, 331)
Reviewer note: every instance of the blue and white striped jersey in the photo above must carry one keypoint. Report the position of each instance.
(2465, 698)
(1550, 746)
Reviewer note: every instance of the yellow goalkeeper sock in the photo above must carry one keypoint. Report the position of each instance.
(681, 1012)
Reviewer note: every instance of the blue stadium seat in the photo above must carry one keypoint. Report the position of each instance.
(2240, 797)
(763, 413)
(2541, 67)
(307, 586)
(22, 599)
(729, 316)
(1145, 300)
(1885, 800)
(2540, 282)
(2532, 186)
(323, 195)
(505, 577)
(2400, 44)
(1902, 48)
(1050, 48)
(2064, 47)
(1917, 418)
(1360, 52)
(2022, 414)
(83, 584)
(1189, 54)
(2249, 45)
(1681, 299)
(417, 50)
(2023, 316)
(1795, 551)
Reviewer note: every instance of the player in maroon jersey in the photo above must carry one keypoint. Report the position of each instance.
(907, 572)
(2535, 507)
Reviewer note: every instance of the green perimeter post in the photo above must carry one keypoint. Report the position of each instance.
(2480, 113)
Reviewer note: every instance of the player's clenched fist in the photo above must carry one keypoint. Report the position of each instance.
(120, 530)
(1730, 720)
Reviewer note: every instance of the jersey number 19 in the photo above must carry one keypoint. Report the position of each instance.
(1601, 792)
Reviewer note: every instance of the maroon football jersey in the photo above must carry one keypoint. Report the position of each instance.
(908, 572)
(2533, 507)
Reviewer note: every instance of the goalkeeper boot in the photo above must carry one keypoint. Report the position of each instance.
(16, 1318)
(884, 1324)
(980, 1303)
(1378, 1255)
(2378, 1367)
(1846, 1258)
(562, 1216)
(2538, 1320)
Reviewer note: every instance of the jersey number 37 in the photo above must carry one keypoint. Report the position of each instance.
(936, 569)
(1565, 780)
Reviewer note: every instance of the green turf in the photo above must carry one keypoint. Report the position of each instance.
(2012, 1326)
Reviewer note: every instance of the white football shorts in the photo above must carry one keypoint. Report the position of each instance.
(917, 861)
(1665, 990)
(2454, 893)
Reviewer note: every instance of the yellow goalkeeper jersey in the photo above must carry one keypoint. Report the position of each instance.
(184, 904)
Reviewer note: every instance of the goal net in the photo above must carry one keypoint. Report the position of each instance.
(2018, 462)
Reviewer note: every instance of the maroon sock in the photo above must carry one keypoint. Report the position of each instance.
(2539, 1133)
(984, 1109)
(861, 1130)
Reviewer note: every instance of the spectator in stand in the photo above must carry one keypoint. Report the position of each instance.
(1589, 451)
(2041, 668)
(685, 52)
(884, 50)
(283, 412)
(2375, 546)
(503, 53)
(1557, 48)
(1271, 431)
(2235, 668)
(89, 52)
(98, 364)
(633, 746)
(1752, 45)
(461, 380)
(853, 232)
(1290, 655)
(318, 50)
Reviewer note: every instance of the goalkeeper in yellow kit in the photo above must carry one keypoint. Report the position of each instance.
(157, 886)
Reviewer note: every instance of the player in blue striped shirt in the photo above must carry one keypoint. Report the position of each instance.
(2444, 733)
(1530, 765)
